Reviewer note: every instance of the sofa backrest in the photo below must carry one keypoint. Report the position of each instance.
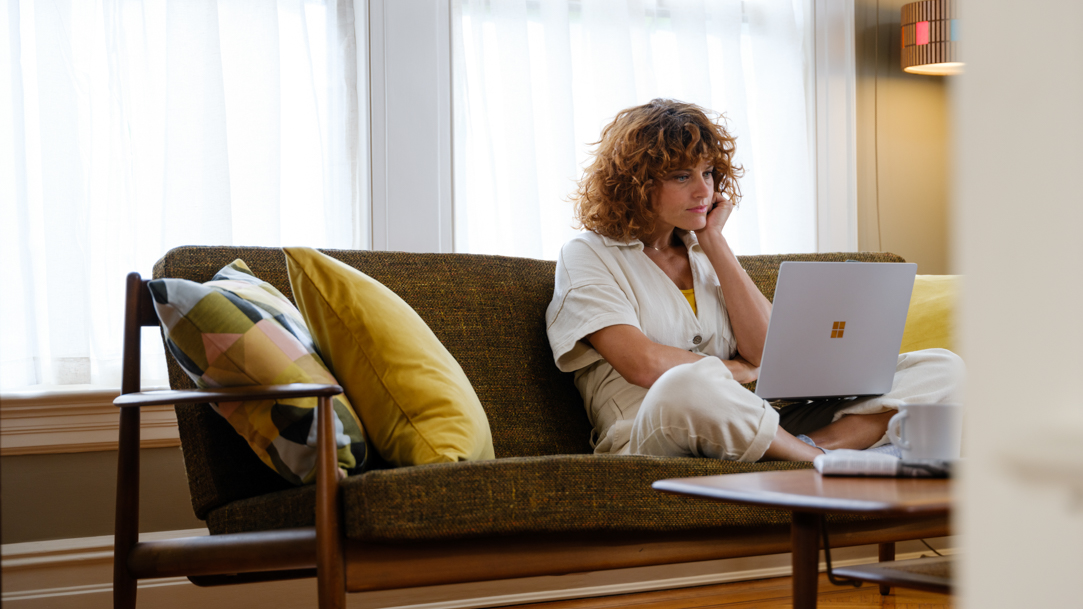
(489, 311)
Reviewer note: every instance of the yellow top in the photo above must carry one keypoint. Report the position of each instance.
(690, 294)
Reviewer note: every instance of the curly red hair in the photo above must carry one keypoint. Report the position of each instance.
(642, 145)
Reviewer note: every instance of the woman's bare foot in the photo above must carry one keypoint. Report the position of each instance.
(858, 431)
(786, 447)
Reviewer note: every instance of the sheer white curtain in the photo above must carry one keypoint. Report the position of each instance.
(133, 126)
(536, 80)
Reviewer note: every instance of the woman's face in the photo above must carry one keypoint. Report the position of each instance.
(684, 197)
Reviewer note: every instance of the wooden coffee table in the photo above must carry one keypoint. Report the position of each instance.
(808, 496)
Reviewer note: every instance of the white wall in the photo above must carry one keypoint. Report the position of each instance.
(1018, 220)
(904, 146)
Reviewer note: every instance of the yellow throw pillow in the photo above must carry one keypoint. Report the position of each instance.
(930, 321)
(414, 400)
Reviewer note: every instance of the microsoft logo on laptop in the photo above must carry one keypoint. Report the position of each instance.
(838, 329)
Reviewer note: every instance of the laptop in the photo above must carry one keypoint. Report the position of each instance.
(835, 330)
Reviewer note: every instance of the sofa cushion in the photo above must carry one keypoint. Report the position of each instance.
(522, 495)
(238, 330)
(416, 403)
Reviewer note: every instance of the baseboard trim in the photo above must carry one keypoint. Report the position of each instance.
(59, 552)
(640, 586)
(89, 589)
(59, 558)
(76, 421)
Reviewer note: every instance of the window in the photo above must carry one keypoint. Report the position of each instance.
(139, 126)
(534, 83)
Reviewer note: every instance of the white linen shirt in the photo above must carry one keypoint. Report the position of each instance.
(601, 282)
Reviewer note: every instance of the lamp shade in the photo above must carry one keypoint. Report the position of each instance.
(930, 34)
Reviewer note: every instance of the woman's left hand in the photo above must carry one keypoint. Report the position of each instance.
(717, 217)
(742, 371)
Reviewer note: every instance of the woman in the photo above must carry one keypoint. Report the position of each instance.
(660, 323)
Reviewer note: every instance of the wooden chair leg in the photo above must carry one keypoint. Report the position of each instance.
(126, 527)
(887, 554)
(330, 562)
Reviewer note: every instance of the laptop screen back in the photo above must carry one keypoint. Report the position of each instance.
(835, 329)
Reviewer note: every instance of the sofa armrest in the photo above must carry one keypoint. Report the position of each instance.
(226, 394)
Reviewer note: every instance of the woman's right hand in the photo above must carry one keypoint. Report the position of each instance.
(743, 372)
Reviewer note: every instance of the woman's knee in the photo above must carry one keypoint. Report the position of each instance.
(672, 389)
(688, 382)
(938, 368)
(698, 409)
(943, 361)
(694, 389)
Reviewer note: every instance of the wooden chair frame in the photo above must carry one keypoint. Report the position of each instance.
(263, 555)
(342, 565)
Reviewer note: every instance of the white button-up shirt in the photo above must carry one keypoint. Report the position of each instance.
(600, 283)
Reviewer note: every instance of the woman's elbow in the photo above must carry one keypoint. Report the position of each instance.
(643, 371)
(642, 377)
(755, 358)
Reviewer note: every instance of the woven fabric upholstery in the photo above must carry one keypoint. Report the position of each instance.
(518, 495)
(489, 311)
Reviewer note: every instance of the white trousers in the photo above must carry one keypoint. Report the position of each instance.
(698, 410)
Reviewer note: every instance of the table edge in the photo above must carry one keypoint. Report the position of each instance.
(798, 503)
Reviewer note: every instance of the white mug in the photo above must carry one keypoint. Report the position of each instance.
(927, 431)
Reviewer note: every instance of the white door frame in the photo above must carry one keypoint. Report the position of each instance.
(410, 124)
(836, 127)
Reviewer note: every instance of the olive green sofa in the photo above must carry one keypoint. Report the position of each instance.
(545, 505)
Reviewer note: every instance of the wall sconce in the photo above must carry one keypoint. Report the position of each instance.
(930, 32)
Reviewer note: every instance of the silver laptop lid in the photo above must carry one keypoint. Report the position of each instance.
(835, 330)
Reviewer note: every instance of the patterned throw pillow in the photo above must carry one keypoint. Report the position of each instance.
(238, 330)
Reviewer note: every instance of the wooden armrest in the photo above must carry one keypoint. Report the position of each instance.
(226, 394)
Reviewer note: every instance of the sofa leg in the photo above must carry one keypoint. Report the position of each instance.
(124, 594)
(887, 554)
(330, 562)
(332, 589)
(126, 531)
(330, 579)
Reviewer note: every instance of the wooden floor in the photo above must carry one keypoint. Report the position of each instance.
(758, 594)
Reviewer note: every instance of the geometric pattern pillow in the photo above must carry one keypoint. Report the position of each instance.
(238, 330)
